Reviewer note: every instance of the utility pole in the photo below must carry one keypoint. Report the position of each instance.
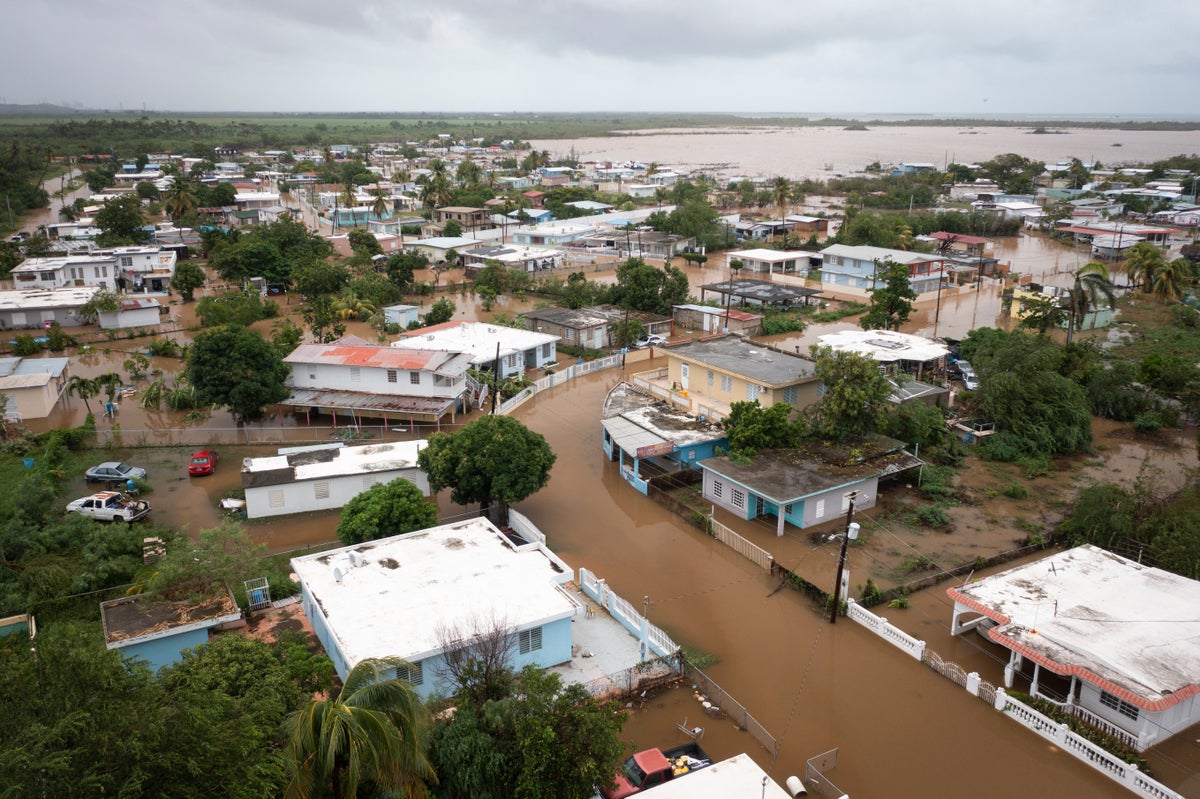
(851, 532)
(496, 388)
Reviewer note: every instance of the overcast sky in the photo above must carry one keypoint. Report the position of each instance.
(1046, 57)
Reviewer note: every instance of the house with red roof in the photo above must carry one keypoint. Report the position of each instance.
(351, 379)
(1110, 640)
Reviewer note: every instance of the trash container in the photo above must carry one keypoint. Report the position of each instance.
(29, 463)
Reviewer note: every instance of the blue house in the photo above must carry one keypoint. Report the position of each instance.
(857, 266)
(807, 486)
(648, 436)
(433, 595)
(159, 630)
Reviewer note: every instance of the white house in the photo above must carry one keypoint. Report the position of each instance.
(1111, 640)
(888, 347)
(326, 476)
(771, 261)
(415, 595)
(69, 270)
(132, 312)
(355, 378)
(402, 315)
(31, 387)
(146, 268)
(517, 350)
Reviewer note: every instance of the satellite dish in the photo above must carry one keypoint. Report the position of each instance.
(337, 574)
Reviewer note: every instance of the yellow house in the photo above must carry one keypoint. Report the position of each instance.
(707, 376)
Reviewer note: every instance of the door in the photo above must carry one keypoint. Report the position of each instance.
(683, 376)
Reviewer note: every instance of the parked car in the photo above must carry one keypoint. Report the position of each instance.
(966, 373)
(650, 340)
(204, 461)
(114, 472)
(110, 506)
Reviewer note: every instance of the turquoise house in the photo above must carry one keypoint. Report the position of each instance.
(158, 631)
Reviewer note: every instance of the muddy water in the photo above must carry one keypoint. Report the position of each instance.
(821, 152)
(902, 730)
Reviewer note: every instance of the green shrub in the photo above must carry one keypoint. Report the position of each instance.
(1148, 422)
(1015, 491)
(25, 344)
(871, 595)
(899, 602)
(933, 516)
(1034, 465)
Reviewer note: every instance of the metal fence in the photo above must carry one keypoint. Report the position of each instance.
(816, 771)
(744, 547)
(722, 705)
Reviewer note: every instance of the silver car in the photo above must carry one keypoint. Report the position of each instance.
(114, 472)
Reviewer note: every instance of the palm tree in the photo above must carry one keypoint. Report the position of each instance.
(379, 205)
(373, 732)
(84, 388)
(1171, 279)
(1092, 282)
(1143, 261)
(349, 305)
(179, 199)
(781, 189)
(348, 197)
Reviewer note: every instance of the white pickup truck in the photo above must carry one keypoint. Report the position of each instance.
(110, 506)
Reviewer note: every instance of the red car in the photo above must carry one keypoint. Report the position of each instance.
(204, 461)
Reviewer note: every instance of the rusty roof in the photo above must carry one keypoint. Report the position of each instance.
(364, 401)
(440, 362)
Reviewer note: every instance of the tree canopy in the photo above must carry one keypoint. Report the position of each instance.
(891, 298)
(383, 510)
(121, 222)
(856, 394)
(493, 459)
(750, 427)
(642, 287)
(236, 368)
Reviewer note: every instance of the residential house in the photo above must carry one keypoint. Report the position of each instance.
(1024, 298)
(524, 259)
(1085, 231)
(748, 291)
(326, 476)
(99, 270)
(532, 216)
(706, 376)
(160, 630)
(356, 379)
(647, 436)
(592, 327)
(555, 175)
(145, 268)
(960, 243)
(1111, 640)
(805, 486)
(857, 266)
(554, 234)
(437, 248)
(517, 350)
(32, 387)
(536, 198)
(25, 309)
(710, 319)
(771, 261)
(895, 352)
(421, 595)
(248, 200)
(803, 225)
(132, 313)
(637, 243)
(591, 206)
(467, 218)
(515, 182)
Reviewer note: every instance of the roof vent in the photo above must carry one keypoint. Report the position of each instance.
(337, 575)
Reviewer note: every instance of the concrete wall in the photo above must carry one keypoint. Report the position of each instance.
(167, 650)
(371, 380)
(706, 380)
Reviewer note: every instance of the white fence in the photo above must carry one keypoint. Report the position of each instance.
(558, 378)
(658, 641)
(1060, 734)
(744, 547)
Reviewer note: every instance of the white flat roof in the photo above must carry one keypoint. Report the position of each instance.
(867, 253)
(739, 776)
(38, 299)
(885, 346)
(1134, 628)
(348, 460)
(774, 256)
(477, 339)
(409, 588)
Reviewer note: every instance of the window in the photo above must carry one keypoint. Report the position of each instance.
(411, 673)
(846, 500)
(48, 276)
(530, 640)
(355, 374)
(275, 498)
(751, 392)
(718, 488)
(832, 260)
(726, 383)
(414, 378)
(312, 374)
(1119, 705)
(392, 375)
(126, 261)
(739, 498)
(820, 508)
(321, 489)
(787, 509)
(570, 334)
(546, 349)
(791, 394)
(710, 378)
